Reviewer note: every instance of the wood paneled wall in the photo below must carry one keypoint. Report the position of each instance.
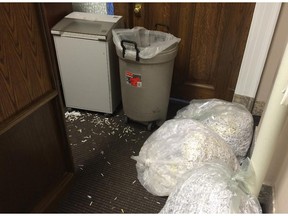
(24, 70)
(213, 38)
(36, 163)
(32, 161)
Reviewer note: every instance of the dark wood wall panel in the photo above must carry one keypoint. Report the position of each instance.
(217, 44)
(213, 38)
(34, 160)
(36, 164)
(161, 12)
(52, 15)
(124, 10)
(183, 31)
(205, 43)
(24, 71)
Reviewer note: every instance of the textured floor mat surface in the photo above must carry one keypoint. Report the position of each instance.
(105, 175)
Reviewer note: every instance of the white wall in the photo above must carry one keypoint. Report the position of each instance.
(277, 175)
(281, 184)
(279, 40)
(260, 35)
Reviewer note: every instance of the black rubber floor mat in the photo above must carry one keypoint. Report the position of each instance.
(105, 176)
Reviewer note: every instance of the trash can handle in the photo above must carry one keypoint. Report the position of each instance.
(163, 25)
(135, 47)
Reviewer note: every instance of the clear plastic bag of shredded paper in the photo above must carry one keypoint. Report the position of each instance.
(231, 121)
(178, 146)
(150, 43)
(214, 188)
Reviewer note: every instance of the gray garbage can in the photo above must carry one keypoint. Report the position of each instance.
(146, 84)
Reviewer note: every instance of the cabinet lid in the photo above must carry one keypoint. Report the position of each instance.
(79, 24)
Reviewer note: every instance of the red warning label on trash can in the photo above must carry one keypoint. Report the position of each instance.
(133, 79)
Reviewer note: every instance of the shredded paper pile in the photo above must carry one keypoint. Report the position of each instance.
(212, 189)
(177, 147)
(231, 121)
(193, 159)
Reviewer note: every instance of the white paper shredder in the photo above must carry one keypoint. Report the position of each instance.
(87, 61)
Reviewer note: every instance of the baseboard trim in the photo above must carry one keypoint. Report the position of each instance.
(185, 102)
(258, 108)
(248, 102)
(267, 199)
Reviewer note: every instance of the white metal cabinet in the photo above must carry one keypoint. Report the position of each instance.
(87, 63)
